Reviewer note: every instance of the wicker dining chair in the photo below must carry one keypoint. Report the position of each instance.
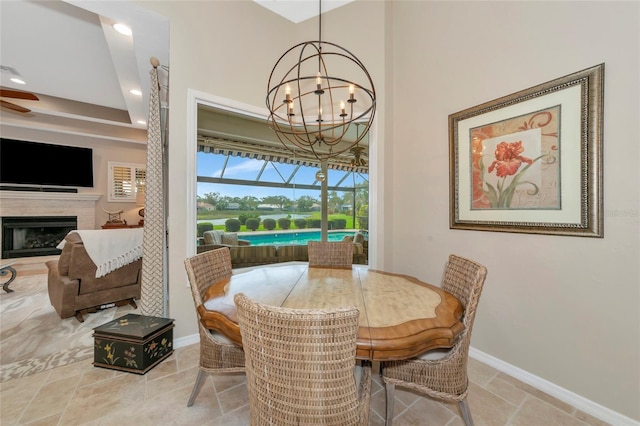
(330, 254)
(300, 365)
(442, 374)
(218, 354)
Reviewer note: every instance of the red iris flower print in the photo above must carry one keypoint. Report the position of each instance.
(507, 164)
(508, 159)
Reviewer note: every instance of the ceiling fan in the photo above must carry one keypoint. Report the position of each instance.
(15, 94)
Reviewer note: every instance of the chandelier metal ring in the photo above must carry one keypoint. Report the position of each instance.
(311, 109)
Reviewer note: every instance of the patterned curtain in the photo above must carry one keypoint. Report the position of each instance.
(153, 287)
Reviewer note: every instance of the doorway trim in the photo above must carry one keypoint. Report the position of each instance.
(196, 98)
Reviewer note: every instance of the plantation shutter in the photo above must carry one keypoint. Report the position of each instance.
(141, 175)
(125, 181)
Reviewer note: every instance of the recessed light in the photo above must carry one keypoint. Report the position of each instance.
(141, 122)
(17, 80)
(122, 29)
(135, 92)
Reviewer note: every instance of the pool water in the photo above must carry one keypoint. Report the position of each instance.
(295, 237)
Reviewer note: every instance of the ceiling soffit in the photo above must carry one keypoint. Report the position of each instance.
(79, 67)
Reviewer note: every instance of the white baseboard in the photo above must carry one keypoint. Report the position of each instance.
(583, 404)
(181, 342)
(575, 400)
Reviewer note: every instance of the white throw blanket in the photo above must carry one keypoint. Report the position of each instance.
(111, 249)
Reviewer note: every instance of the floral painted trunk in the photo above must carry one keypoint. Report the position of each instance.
(133, 343)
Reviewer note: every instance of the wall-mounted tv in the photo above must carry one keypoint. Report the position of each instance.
(47, 165)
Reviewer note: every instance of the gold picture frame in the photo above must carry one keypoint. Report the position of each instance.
(531, 162)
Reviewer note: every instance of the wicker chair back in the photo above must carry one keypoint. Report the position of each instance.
(330, 254)
(300, 365)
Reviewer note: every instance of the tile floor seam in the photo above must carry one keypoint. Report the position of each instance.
(375, 413)
(227, 389)
(518, 408)
(484, 386)
(75, 390)
(528, 397)
(560, 410)
(215, 391)
(237, 409)
(406, 409)
(452, 420)
(221, 393)
(449, 409)
(33, 397)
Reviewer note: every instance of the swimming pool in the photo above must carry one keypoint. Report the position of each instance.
(292, 237)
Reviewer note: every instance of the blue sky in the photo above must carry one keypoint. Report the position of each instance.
(249, 169)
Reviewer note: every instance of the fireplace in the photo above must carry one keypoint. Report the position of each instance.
(34, 236)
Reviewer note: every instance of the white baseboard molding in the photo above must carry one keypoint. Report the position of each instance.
(181, 342)
(583, 404)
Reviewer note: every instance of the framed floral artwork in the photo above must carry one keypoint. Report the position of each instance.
(531, 162)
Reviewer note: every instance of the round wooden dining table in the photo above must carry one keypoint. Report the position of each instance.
(400, 316)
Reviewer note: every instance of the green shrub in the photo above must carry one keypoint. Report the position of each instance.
(284, 223)
(204, 227)
(300, 223)
(339, 223)
(253, 223)
(232, 225)
(269, 224)
(242, 217)
(314, 223)
(363, 216)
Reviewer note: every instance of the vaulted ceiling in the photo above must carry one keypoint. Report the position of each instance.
(82, 70)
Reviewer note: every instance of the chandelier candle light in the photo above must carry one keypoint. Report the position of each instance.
(312, 110)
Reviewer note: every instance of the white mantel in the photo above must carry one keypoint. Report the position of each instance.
(33, 195)
(34, 204)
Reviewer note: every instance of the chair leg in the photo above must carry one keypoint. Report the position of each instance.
(390, 388)
(196, 387)
(466, 413)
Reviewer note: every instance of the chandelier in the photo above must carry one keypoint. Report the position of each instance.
(357, 161)
(313, 110)
(357, 151)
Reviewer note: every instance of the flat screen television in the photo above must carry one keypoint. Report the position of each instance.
(47, 165)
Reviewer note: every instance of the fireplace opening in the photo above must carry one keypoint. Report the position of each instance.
(34, 236)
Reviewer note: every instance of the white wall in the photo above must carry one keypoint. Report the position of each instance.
(218, 48)
(565, 309)
(228, 49)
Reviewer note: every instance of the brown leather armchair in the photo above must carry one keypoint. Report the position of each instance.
(75, 290)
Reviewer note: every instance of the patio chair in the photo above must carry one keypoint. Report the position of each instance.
(218, 354)
(442, 374)
(330, 254)
(300, 365)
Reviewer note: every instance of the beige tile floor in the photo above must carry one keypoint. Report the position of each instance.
(81, 394)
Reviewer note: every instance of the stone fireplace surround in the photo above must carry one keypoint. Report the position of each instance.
(34, 204)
